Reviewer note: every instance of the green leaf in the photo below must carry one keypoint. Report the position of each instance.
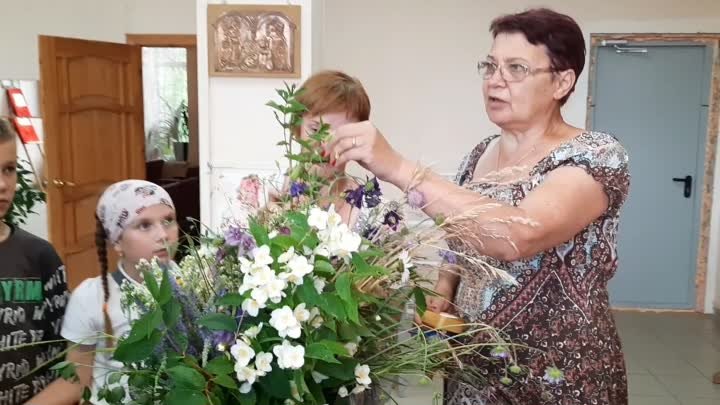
(130, 352)
(323, 267)
(283, 241)
(316, 391)
(276, 383)
(114, 378)
(352, 311)
(308, 294)
(218, 322)
(185, 396)
(165, 292)
(246, 399)
(360, 264)
(151, 284)
(225, 381)
(61, 365)
(183, 376)
(220, 366)
(87, 394)
(230, 300)
(335, 347)
(116, 395)
(333, 305)
(420, 303)
(320, 352)
(344, 372)
(171, 313)
(343, 285)
(259, 233)
(144, 327)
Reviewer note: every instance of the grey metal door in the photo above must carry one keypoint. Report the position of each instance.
(655, 100)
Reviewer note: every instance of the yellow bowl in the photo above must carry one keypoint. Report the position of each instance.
(444, 322)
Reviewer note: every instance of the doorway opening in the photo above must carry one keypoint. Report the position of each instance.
(169, 76)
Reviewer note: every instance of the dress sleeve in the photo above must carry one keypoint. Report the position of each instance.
(606, 160)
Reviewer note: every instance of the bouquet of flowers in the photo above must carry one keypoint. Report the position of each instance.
(293, 305)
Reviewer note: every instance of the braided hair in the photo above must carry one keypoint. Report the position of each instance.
(101, 244)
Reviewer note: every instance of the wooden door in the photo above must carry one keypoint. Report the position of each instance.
(92, 105)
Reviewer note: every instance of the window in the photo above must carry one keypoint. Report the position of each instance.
(165, 93)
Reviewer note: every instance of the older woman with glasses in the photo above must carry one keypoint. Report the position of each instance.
(541, 201)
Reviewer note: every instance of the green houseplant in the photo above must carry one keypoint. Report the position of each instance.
(26, 198)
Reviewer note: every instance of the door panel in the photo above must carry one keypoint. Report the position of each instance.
(93, 121)
(654, 103)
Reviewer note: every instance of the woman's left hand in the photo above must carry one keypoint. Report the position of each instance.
(362, 142)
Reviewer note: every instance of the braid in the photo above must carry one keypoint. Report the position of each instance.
(101, 244)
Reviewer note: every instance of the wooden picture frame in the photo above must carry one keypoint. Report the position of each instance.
(254, 40)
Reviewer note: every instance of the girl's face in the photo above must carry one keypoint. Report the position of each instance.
(154, 233)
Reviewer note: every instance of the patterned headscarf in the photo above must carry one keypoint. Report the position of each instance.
(122, 202)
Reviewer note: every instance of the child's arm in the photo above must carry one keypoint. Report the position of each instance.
(64, 392)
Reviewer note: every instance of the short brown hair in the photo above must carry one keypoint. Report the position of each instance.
(7, 131)
(331, 91)
(560, 34)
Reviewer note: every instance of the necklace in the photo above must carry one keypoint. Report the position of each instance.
(528, 153)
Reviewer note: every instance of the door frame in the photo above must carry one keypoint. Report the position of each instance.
(708, 237)
(189, 42)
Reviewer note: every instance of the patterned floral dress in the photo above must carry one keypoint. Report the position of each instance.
(560, 304)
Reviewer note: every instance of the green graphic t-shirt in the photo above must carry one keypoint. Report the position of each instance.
(33, 295)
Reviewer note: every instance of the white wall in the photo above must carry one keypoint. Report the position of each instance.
(418, 62)
(103, 20)
(238, 132)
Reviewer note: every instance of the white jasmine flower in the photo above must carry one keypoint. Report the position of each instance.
(343, 392)
(334, 219)
(245, 373)
(301, 314)
(262, 276)
(245, 388)
(242, 352)
(252, 307)
(289, 356)
(358, 389)
(245, 265)
(261, 255)
(362, 374)
(299, 266)
(317, 322)
(319, 284)
(272, 234)
(318, 218)
(285, 257)
(262, 363)
(275, 289)
(351, 348)
(259, 295)
(253, 331)
(284, 321)
(221, 347)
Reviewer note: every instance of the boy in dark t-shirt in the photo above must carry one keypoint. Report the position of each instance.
(33, 294)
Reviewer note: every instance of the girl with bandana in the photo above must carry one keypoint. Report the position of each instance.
(136, 218)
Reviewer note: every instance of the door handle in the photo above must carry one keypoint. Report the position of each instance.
(60, 184)
(687, 189)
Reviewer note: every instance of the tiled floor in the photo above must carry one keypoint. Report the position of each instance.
(670, 358)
